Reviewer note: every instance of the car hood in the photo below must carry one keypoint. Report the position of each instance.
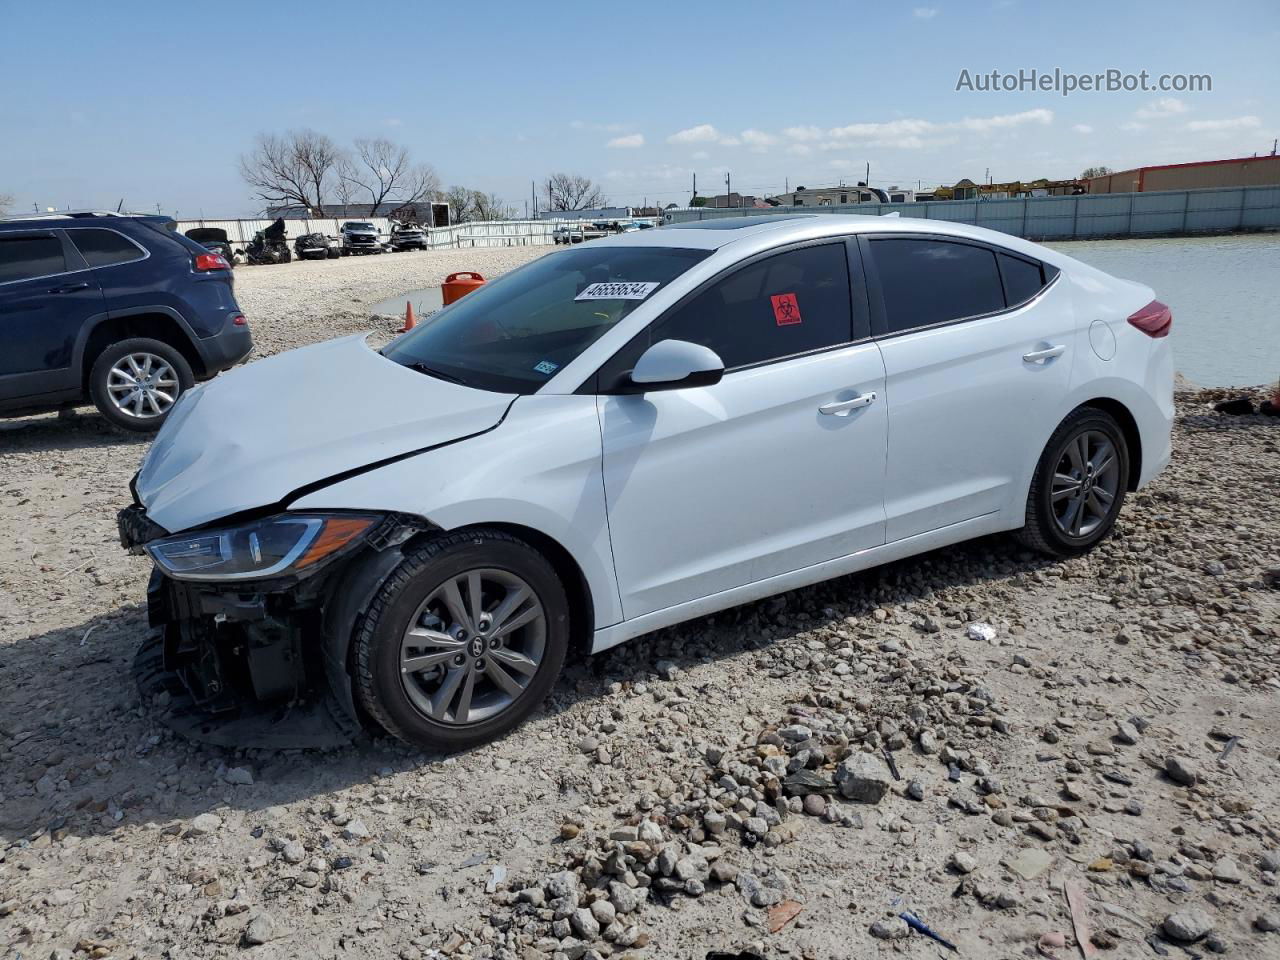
(255, 435)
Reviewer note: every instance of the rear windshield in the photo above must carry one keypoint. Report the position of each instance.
(514, 333)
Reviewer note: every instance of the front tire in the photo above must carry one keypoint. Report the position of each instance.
(462, 641)
(135, 383)
(1079, 485)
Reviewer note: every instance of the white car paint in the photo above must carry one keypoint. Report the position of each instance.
(678, 503)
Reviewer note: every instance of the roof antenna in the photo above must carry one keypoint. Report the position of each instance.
(120, 205)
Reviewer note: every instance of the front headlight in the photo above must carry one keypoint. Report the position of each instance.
(288, 544)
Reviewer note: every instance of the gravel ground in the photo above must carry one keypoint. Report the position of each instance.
(1105, 725)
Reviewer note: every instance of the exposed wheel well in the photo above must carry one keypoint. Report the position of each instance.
(1129, 426)
(157, 326)
(582, 628)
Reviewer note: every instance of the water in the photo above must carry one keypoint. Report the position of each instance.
(424, 301)
(1225, 296)
(1224, 291)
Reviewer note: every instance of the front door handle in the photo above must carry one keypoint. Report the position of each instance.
(842, 408)
(70, 288)
(1048, 353)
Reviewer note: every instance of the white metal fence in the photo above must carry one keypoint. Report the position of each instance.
(500, 233)
(1087, 216)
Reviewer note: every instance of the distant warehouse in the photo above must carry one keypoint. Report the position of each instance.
(1244, 172)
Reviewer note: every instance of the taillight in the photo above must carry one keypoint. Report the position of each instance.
(211, 261)
(1154, 319)
(239, 320)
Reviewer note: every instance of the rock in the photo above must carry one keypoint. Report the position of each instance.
(1269, 861)
(890, 928)
(355, 830)
(666, 669)
(604, 912)
(293, 852)
(1029, 863)
(963, 862)
(584, 924)
(1268, 922)
(1187, 926)
(802, 783)
(649, 832)
(562, 884)
(815, 805)
(983, 632)
(204, 824)
(260, 929)
(714, 823)
(1180, 771)
(863, 778)
(626, 899)
(1127, 733)
(240, 776)
(1227, 870)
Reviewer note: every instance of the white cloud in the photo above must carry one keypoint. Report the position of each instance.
(701, 155)
(629, 142)
(702, 133)
(1219, 126)
(758, 140)
(800, 149)
(1164, 107)
(924, 13)
(914, 134)
(730, 142)
(803, 133)
(1082, 128)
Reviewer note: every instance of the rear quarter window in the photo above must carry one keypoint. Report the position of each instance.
(105, 248)
(1023, 279)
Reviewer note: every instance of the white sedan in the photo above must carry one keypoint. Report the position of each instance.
(629, 434)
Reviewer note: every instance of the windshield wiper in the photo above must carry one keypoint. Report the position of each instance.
(433, 372)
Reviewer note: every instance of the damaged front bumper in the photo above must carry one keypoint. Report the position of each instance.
(259, 663)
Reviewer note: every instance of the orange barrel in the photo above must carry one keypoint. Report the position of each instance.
(458, 285)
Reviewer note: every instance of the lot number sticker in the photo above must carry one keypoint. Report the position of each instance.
(786, 310)
(619, 290)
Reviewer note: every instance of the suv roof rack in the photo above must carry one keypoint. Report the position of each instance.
(70, 215)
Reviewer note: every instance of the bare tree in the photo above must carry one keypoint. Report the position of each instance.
(6, 201)
(488, 206)
(297, 167)
(381, 170)
(1091, 172)
(570, 191)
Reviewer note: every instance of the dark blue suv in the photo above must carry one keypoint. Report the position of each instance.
(120, 310)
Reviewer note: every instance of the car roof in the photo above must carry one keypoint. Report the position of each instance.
(65, 218)
(752, 234)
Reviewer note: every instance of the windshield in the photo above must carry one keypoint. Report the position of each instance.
(359, 226)
(514, 333)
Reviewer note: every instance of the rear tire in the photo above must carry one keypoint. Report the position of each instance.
(1079, 485)
(469, 680)
(135, 408)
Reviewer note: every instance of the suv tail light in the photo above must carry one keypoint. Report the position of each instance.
(239, 320)
(211, 261)
(1155, 319)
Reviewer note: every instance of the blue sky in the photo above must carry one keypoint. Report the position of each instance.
(154, 102)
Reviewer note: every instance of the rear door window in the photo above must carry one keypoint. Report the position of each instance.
(25, 258)
(790, 303)
(924, 281)
(104, 248)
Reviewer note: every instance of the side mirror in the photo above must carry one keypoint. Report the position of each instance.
(675, 364)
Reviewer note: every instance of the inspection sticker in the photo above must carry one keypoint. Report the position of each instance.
(786, 310)
(617, 290)
(546, 366)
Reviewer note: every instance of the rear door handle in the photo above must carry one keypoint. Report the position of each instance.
(842, 408)
(1048, 353)
(70, 288)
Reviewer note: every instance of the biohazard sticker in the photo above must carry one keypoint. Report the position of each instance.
(786, 310)
(618, 290)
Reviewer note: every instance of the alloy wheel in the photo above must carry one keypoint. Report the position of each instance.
(142, 385)
(1086, 482)
(473, 646)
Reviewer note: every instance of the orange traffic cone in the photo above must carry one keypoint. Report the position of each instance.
(409, 320)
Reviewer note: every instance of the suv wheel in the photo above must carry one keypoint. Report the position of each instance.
(1078, 486)
(135, 383)
(463, 640)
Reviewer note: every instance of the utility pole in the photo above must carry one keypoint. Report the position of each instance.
(867, 181)
(695, 190)
(728, 189)
(786, 184)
